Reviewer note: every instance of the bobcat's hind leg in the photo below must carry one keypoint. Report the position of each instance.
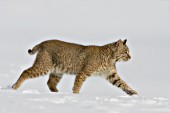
(40, 67)
(54, 79)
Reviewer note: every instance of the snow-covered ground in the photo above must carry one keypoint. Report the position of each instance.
(33, 101)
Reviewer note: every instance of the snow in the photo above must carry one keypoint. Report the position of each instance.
(34, 97)
(35, 101)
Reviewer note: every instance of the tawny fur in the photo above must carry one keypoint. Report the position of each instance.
(57, 58)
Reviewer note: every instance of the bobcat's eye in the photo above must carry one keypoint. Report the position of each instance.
(127, 52)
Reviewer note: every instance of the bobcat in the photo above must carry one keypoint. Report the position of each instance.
(57, 57)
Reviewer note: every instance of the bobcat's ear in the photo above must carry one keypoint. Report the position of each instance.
(119, 43)
(124, 42)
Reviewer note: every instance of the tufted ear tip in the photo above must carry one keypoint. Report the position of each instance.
(124, 42)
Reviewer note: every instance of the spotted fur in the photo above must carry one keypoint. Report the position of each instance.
(57, 58)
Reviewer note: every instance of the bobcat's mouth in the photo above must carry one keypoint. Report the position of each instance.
(123, 59)
(126, 58)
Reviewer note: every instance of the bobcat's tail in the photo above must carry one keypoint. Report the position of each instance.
(34, 50)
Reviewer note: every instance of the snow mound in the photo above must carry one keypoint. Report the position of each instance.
(35, 101)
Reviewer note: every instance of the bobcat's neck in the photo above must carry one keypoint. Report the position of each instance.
(109, 51)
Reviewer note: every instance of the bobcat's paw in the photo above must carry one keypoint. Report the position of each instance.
(53, 89)
(76, 91)
(14, 87)
(131, 92)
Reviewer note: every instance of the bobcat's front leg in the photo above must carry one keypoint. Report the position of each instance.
(114, 79)
(80, 78)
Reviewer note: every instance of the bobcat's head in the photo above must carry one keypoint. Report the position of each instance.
(121, 51)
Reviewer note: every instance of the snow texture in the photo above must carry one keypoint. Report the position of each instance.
(34, 101)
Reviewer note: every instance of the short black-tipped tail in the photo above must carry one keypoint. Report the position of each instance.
(30, 52)
(34, 50)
